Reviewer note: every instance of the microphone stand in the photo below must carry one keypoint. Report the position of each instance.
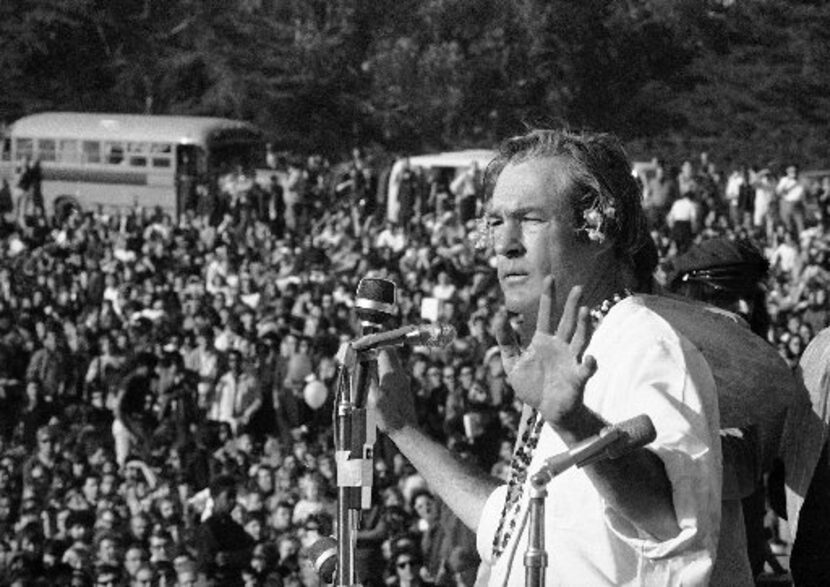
(354, 442)
(536, 558)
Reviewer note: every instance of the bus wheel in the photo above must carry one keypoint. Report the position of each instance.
(64, 205)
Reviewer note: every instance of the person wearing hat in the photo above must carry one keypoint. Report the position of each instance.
(730, 275)
(727, 274)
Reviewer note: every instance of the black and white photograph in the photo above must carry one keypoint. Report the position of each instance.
(414, 293)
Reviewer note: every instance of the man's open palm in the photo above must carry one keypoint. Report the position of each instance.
(551, 373)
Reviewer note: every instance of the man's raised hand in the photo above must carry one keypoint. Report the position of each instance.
(551, 373)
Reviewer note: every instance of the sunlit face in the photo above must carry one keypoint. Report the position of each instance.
(265, 480)
(186, 579)
(310, 488)
(254, 529)
(77, 532)
(90, 489)
(107, 519)
(158, 547)
(534, 236)
(133, 560)
(139, 527)
(107, 551)
(166, 509)
(281, 518)
(425, 508)
(287, 549)
(144, 577)
(465, 376)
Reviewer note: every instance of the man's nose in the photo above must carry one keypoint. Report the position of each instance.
(507, 238)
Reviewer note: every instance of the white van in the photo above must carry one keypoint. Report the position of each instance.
(454, 163)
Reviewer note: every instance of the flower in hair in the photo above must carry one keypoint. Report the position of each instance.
(596, 220)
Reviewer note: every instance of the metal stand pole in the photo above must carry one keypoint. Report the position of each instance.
(353, 461)
(346, 517)
(536, 558)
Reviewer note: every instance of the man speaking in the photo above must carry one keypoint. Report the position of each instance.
(572, 246)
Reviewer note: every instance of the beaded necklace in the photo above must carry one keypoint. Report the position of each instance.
(601, 310)
(523, 455)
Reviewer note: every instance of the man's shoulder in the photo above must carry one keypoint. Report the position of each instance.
(646, 321)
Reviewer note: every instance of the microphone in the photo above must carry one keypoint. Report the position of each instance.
(430, 335)
(375, 303)
(323, 555)
(612, 442)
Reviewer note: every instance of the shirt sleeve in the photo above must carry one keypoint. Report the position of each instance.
(673, 384)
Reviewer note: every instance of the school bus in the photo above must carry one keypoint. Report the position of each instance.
(115, 161)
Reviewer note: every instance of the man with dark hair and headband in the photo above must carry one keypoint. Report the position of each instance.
(591, 347)
(727, 274)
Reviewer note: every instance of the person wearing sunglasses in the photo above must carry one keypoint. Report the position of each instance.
(406, 571)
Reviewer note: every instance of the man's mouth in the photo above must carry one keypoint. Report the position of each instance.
(513, 275)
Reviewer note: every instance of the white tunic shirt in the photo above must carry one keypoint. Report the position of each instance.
(645, 367)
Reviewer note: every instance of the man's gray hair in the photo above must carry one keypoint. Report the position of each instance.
(605, 197)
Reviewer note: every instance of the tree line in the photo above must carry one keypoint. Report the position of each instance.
(744, 79)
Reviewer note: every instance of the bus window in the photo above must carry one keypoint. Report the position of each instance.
(162, 153)
(25, 149)
(114, 153)
(91, 151)
(7, 149)
(68, 151)
(46, 149)
(137, 152)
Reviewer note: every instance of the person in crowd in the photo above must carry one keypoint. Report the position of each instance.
(661, 192)
(132, 424)
(237, 397)
(178, 411)
(407, 567)
(684, 221)
(790, 191)
(48, 366)
(728, 274)
(224, 546)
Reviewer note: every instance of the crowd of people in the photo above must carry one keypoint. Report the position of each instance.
(167, 384)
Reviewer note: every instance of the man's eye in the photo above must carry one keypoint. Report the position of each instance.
(493, 221)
